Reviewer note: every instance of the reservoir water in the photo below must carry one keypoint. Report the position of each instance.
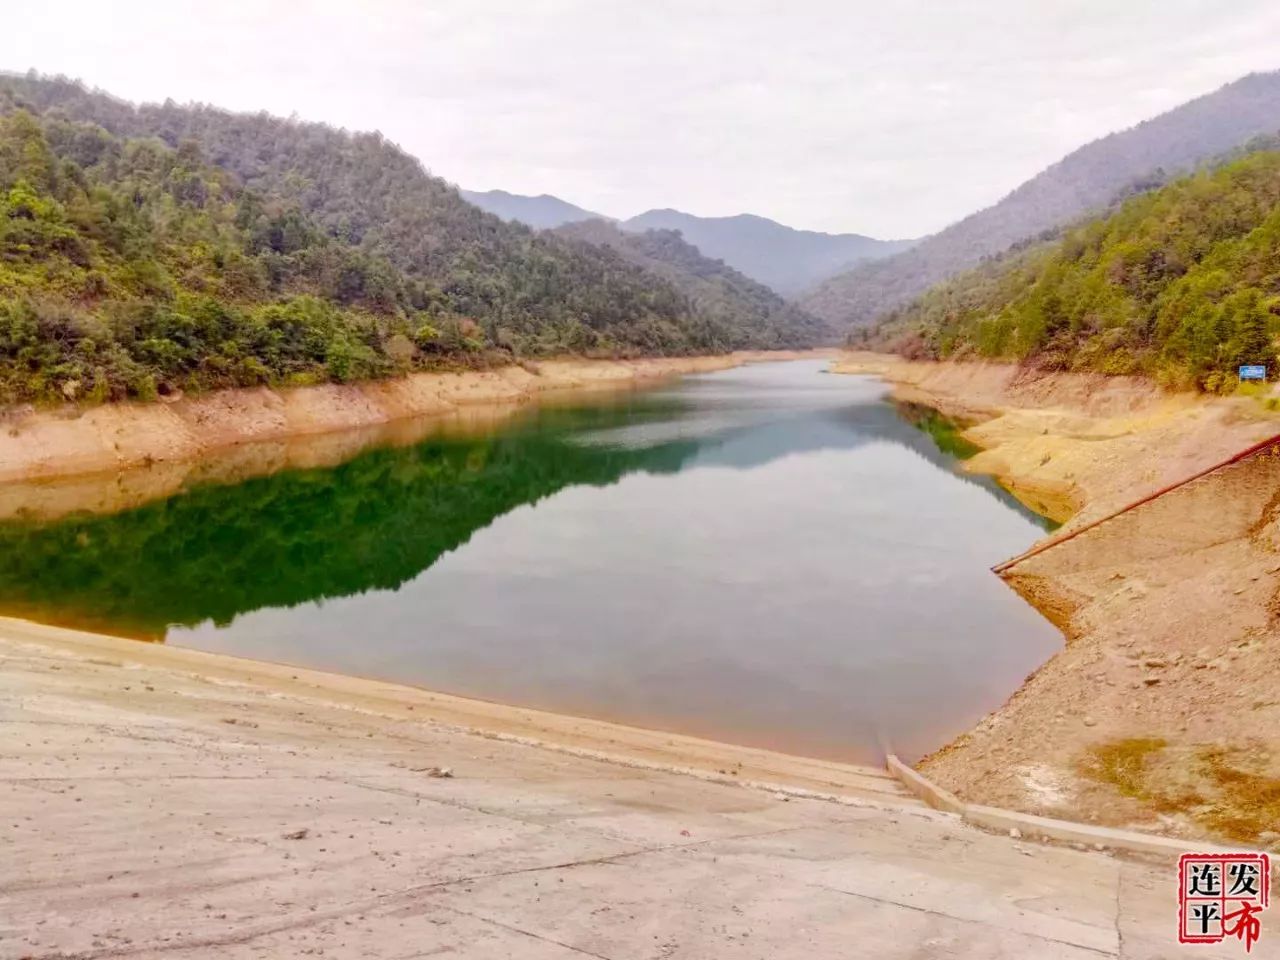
(770, 555)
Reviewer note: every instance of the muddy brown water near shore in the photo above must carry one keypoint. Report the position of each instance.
(768, 555)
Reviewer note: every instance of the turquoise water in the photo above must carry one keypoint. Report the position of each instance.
(771, 555)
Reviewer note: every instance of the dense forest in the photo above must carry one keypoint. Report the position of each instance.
(1182, 283)
(149, 249)
(716, 290)
(1086, 182)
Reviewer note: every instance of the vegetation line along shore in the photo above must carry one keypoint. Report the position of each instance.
(164, 248)
(71, 440)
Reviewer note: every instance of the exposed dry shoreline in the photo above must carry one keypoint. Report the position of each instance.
(1074, 446)
(627, 746)
(1163, 710)
(45, 444)
(162, 803)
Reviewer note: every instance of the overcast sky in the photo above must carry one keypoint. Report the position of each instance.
(891, 118)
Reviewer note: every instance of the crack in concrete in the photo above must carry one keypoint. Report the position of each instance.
(969, 920)
(441, 801)
(526, 933)
(593, 861)
(1119, 931)
(384, 901)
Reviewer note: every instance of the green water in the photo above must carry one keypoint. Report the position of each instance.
(770, 555)
(946, 433)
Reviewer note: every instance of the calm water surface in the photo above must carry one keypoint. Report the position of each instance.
(770, 555)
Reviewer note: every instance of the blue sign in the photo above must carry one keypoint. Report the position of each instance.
(1253, 371)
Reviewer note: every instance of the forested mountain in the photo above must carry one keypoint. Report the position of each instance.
(1182, 283)
(715, 289)
(787, 260)
(1086, 181)
(542, 212)
(144, 249)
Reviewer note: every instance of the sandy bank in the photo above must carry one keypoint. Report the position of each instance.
(165, 803)
(40, 445)
(110, 491)
(1163, 711)
(1076, 445)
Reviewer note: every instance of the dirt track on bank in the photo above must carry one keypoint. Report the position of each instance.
(1163, 710)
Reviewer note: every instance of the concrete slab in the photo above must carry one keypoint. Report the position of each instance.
(149, 810)
(722, 910)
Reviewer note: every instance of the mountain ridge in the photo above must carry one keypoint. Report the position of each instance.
(1084, 182)
(541, 212)
(716, 288)
(1179, 283)
(784, 258)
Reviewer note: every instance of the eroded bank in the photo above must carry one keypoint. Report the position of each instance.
(1162, 710)
(37, 445)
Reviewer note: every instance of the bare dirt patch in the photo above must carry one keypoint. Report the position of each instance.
(1163, 710)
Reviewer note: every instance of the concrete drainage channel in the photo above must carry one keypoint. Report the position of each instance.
(1029, 826)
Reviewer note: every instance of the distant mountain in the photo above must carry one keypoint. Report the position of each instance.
(1084, 182)
(541, 212)
(788, 260)
(1178, 284)
(728, 298)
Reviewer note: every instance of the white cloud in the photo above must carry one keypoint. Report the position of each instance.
(886, 118)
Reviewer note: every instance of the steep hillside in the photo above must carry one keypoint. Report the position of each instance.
(130, 269)
(1085, 181)
(716, 290)
(149, 249)
(1182, 283)
(527, 292)
(542, 212)
(787, 260)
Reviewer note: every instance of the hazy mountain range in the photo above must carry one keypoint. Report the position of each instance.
(849, 279)
(787, 260)
(714, 288)
(1086, 181)
(542, 212)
